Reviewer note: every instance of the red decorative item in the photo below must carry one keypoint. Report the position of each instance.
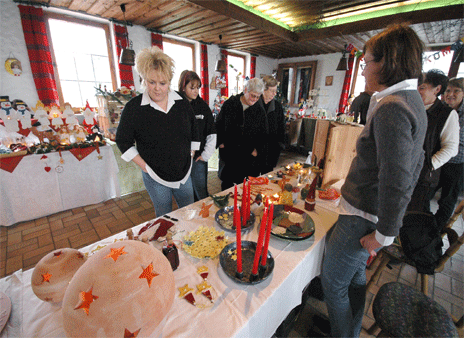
(10, 163)
(270, 217)
(128, 334)
(148, 274)
(186, 293)
(310, 201)
(204, 212)
(258, 180)
(208, 295)
(203, 271)
(244, 198)
(248, 201)
(161, 231)
(238, 228)
(81, 153)
(115, 253)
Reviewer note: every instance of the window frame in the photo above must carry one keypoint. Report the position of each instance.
(109, 43)
(295, 66)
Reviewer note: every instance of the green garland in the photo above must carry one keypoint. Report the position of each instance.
(45, 148)
(113, 96)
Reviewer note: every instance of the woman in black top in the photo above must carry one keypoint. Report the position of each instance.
(189, 86)
(157, 131)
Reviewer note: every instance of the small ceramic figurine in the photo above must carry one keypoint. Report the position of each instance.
(170, 251)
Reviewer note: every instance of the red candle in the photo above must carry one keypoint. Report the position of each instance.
(268, 234)
(248, 201)
(259, 245)
(238, 228)
(243, 210)
(235, 206)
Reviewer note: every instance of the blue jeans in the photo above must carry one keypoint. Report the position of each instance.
(199, 177)
(344, 275)
(161, 196)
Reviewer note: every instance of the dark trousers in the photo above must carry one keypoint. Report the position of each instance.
(451, 177)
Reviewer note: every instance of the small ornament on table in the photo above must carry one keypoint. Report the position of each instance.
(205, 289)
(170, 251)
(42, 117)
(310, 201)
(203, 271)
(130, 234)
(204, 212)
(186, 293)
(286, 196)
(55, 116)
(24, 114)
(8, 115)
(257, 206)
(68, 114)
(89, 118)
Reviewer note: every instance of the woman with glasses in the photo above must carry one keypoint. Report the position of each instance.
(241, 130)
(451, 175)
(275, 124)
(379, 184)
(189, 87)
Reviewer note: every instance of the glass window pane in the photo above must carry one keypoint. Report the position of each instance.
(84, 67)
(436, 60)
(88, 92)
(182, 56)
(66, 66)
(71, 93)
(101, 68)
(235, 74)
(303, 81)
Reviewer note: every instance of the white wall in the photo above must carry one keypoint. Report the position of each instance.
(23, 87)
(12, 44)
(326, 64)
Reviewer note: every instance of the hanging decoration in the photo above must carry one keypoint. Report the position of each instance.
(13, 65)
(456, 47)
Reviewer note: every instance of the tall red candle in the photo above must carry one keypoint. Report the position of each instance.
(268, 234)
(243, 209)
(235, 206)
(248, 201)
(259, 245)
(238, 228)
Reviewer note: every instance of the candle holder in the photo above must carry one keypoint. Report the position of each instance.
(225, 218)
(229, 265)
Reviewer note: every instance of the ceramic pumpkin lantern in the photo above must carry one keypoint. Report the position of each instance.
(124, 289)
(53, 273)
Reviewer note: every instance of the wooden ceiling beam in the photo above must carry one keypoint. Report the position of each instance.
(228, 9)
(427, 15)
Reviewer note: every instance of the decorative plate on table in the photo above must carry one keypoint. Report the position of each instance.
(292, 223)
(228, 262)
(205, 242)
(225, 218)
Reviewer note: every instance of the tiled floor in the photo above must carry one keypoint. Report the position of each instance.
(24, 244)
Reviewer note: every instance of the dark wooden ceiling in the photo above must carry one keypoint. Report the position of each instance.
(241, 29)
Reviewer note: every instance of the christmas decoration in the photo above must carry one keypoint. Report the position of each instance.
(53, 273)
(135, 292)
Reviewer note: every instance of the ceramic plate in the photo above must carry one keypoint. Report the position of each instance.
(283, 227)
(225, 218)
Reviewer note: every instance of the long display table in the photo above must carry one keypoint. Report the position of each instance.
(42, 185)
(239, 310)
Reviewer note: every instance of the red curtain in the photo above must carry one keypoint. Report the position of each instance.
(225, 90)
(346, 86)
(157, 40)
(204, 73)
(125, 72)
(38, 49)
(253, 67)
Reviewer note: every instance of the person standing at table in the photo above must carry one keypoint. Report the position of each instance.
(158, 132)
(451, 175)
(360, 105)
(379, 184)
(189, 86)
(441, 140)
(275, 124)
(241, 130)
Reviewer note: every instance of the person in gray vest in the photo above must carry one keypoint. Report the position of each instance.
(382, 176)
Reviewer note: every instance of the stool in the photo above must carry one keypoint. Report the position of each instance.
(401, 311)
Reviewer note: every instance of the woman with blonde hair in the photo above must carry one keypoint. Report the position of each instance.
(189, 87)
(158, 132)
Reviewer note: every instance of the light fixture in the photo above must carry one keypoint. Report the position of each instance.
(127, 56)
(343, 63)
(220, 64)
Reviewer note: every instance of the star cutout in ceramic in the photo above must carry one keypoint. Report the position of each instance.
(148, 274)
(57, 254)
(46, 277)
(115, 253)
(86, 298)
(128, 334)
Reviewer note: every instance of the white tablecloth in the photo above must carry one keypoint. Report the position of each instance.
(30, 192)
(239, 310)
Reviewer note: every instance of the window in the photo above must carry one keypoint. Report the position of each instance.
(81, 52)
(236, 73)
(297, 80)
(183, 54)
